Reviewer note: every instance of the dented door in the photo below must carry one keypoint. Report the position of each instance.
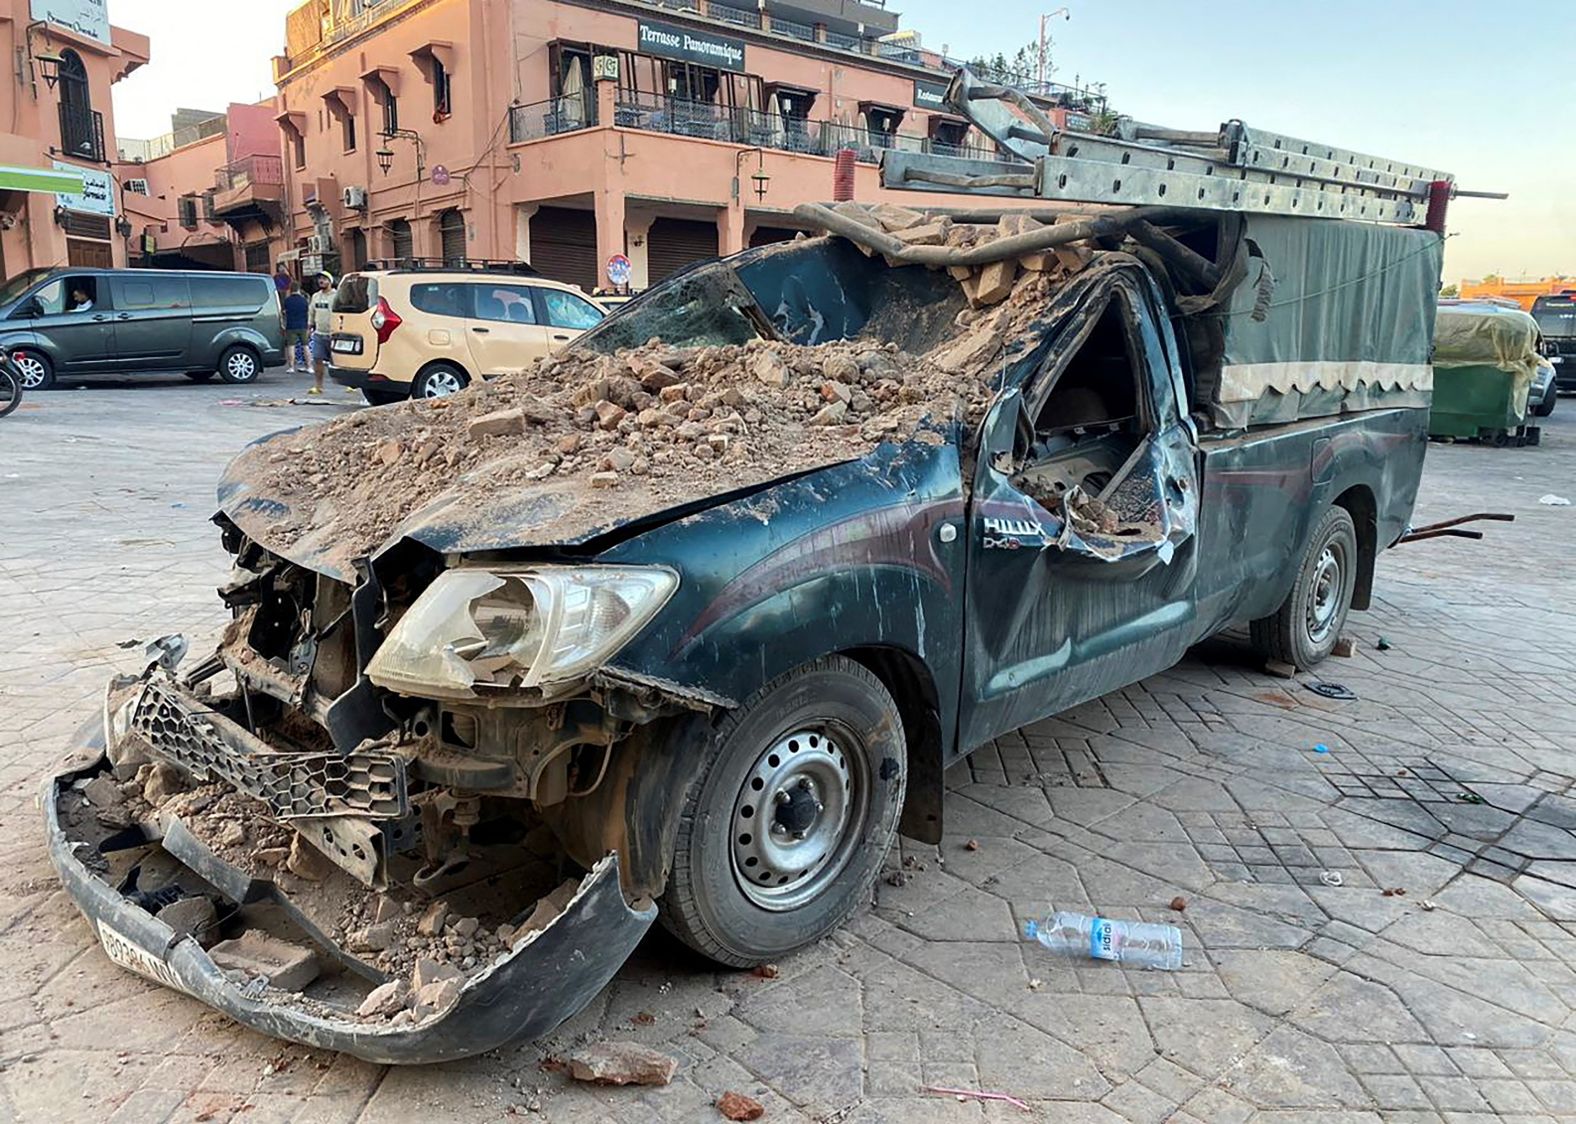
(1063, 605)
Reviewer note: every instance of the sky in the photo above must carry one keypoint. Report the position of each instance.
(1485, 91)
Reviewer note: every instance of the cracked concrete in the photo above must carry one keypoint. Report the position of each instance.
(1452, 777)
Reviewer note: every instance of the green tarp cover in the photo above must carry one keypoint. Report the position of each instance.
(1347, 321)
(1498, 342)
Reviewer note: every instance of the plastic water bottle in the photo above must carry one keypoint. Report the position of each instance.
(1137, 944)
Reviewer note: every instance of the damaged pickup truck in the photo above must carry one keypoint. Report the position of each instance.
(689, 622)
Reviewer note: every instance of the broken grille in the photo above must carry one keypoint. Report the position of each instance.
(211, 747)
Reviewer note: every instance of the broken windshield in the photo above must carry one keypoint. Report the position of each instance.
(706, 307)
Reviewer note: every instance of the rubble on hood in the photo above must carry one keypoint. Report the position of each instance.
(641, 431)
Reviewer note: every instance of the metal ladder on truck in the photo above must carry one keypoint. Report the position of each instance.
(1233, 169)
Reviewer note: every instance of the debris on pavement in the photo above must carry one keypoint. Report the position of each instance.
(284, 965)
(972, 845)
(737, 1106)
(1345, 648)
(1382, 644)
(1178, 903)
(1321, 748)
(975, 1094)
(1395, 892)
(1331, 878)
(765, 971)
(1551, 500)
(1338, 691)
(1280, 670)
(1428, 906)
(622, 1063)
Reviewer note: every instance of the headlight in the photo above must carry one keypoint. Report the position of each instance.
(473, 632)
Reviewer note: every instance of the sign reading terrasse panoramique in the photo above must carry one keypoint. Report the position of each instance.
(700, 47)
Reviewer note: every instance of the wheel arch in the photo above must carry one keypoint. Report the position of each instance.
(912, 686)
(1359, 502)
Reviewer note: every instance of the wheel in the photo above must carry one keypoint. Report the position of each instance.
(34, 368)
(10, 392)
(439, 381)
(1303, 631)
(239, 364)
(382, 397)
(784, 831)
(200, 376)
(1546, 407)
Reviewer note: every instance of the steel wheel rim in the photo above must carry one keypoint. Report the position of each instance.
(441, 384)
(31, 370)
(1324, 594)
(241, 366)
(798, 818)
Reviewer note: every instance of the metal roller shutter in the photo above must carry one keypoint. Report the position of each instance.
(403, 240)
(451, 233)
(766, 235)
(676, 243)
(563, 246)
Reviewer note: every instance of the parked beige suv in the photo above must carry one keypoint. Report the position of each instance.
(425, 330)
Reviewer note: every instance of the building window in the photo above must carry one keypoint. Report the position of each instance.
(442, 91)
(81, 129)
(881, 122)
(296, 139)
(188, 211)
(385, 98)
(948, 136)
(347, 128)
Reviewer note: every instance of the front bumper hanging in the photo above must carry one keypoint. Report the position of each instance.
(546, 977)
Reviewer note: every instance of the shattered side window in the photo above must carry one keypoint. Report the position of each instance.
(707, 307)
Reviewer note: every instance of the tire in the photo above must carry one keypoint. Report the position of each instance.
(382, 397)
(439, 381)
(10, 392)
(1546, 407)
(1303, 631)
(34, 368)
(201, 376)
(239, 364)
(740, 900)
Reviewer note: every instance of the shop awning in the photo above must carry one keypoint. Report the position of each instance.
(40, 179)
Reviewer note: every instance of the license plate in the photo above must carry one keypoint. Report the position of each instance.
(128, 955)
(346, 345)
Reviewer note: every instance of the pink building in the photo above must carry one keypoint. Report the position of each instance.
(59, 200)
(564, 132)
(209, 194)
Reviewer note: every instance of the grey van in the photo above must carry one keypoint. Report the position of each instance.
(63, 321)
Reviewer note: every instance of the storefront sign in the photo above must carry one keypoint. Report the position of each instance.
(88, 18)
(619, 269)
(98, 191)
(930, 95)
(1078, 122)
(700, 47)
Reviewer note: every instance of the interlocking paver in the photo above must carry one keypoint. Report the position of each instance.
(1300, 1000)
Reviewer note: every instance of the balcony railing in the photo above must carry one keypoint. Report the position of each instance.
(552, 117)
(82, 133)
(739, 17)
(258, 169)
(704, 121)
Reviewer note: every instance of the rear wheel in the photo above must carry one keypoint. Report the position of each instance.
(784, 832)
(382, 397)
(33, 368)
(1303, 631)
(439, 381)
(239, 364)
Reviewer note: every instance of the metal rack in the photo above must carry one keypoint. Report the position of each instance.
(1234, 168)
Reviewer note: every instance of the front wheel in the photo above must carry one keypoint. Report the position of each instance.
(33, 368)
(785, 829)
(1303, 631)
(239, 365)
(10, 392)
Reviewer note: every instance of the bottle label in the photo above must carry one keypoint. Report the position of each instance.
(1103, 943)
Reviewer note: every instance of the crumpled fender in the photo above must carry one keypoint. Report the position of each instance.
(548, 977)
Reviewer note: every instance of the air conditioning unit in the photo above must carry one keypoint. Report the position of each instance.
(136, 187)
(355, 198)
(317, 244)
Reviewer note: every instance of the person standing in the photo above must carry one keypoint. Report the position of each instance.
(283, 282)
(293, 312)
(322, 319)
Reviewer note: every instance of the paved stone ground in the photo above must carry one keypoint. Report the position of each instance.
(1451, 779)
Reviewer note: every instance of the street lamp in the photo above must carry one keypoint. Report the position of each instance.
(759, 180)
(49, 68)
(385, 159)
(1045, 43)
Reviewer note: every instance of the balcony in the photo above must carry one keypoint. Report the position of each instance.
(81, 133)
(705, 121)
(250, 189)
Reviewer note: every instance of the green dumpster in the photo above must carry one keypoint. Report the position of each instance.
(1485, 356)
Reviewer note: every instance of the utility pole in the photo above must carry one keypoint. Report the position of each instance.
(1043, 69)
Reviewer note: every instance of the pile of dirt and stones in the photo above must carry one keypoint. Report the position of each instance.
(615, 437)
